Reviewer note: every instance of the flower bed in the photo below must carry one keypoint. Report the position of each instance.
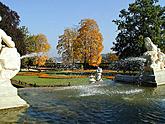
(109, 77)
(60, 77)
(64, 75)
(31, 74)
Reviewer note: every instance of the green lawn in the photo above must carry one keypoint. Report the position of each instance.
(47, 81)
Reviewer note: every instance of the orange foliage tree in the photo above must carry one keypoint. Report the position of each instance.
(38, 44)
(88, 44)
(40, 60)
(113, 57)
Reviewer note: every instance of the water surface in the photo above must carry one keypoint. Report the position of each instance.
(93, 104)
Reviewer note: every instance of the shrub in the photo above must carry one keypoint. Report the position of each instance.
(130, 64)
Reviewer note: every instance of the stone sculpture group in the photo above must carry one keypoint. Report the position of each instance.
(9, 67)
(155, 58)
(153, 73)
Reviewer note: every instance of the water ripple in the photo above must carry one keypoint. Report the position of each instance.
(97, 104)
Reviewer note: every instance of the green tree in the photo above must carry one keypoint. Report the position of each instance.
(51, 60)
(27, 62)
(66, 44)
(109, 57)
(144, 18)
(105, 58)
(10, 22)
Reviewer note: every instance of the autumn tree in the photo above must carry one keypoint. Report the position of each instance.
(109, 57)
(38, 44)
(10, 24)
(88, 44)
(50, 62)
(113, 57)
(65, 45)
(143, 18)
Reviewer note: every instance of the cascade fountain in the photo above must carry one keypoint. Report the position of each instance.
(153, 72)
(9, 67)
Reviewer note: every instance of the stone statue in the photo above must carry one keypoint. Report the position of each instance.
(9, 67)
(155, 58)
(97, 78)
(98, 74)
(153, 73)
(9, 57)
(149, 44)
(92, 79)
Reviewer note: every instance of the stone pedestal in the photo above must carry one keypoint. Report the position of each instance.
(92, 79)
(9, 97)
(9, 67)
(126, 78)
(154, 78)
(151, 78)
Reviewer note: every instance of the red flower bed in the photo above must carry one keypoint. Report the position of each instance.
(109, 77)
(61, 77)
(31, 74)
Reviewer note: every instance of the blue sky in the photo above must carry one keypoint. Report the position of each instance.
(51, 17)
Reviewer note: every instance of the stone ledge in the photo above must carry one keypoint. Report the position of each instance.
(154, 78)
(9, 97)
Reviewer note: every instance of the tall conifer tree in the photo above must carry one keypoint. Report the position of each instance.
(143, 18)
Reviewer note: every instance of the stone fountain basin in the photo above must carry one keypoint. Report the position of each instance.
(153, 79)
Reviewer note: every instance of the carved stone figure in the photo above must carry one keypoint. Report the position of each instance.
(150, 46)
(153, 73)
(9, 67)
(92, 79)
(98, 74)
(155, 58)
(9, 57)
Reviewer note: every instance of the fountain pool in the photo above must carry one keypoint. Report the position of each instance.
(102, 104)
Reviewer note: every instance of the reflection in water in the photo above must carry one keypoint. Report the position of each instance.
(11, 115)
(101, 104)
